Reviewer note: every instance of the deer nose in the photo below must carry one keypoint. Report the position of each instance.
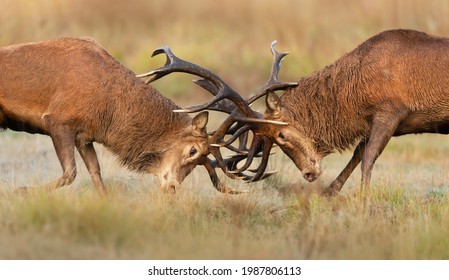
(171, 186)
(309, 176)
(168, 183)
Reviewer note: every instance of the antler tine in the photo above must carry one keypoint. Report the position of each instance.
(276, 65)
(273, 83)
(216, 182)
(254, 149)
(234, 149)
(207, 85)
(256, 120)
(267, 144)
(231, 164)
(234, 137)
(233, 129)
(254, 152)
(250, 179)
(223, 105)
(243, 137)
(219, 134)
(215, 139)
(226, 164)
(264, 176)
(232, 161)
(243, 140)
(220, 89)
(158, 73)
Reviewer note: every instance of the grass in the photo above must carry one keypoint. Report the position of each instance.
(405, 217)
(391, 224)
(281, 218)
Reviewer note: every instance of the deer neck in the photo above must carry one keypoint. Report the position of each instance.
(325, 103)
(142, 129)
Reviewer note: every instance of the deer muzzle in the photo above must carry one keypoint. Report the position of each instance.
(169, 183)
(311, 174)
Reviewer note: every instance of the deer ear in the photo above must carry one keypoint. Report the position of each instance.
(199, 123)
(273, 104)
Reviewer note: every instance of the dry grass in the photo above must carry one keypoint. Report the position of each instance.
(406, 217)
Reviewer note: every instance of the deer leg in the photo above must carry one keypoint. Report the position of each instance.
(216, 181)
(382, 130)
(64, 144)
(90, 159)
(338, 183)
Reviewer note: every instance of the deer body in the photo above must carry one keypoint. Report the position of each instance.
(77, 93)
(395, 83)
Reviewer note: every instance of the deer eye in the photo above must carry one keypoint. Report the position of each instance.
(281, 136)
(193, 151)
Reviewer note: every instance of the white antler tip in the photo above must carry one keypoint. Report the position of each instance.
(216, 145)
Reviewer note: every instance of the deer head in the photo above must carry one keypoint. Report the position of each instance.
(186, 152)
(292, 139)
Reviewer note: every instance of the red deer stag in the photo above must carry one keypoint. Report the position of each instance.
(74, 91)
(393, 84)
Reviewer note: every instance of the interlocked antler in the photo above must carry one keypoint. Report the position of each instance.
(241, 118)
(260, 141)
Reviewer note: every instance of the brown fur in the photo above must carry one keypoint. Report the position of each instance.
(76, 92)
(395, 83)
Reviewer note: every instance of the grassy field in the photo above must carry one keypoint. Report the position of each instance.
(405, 217)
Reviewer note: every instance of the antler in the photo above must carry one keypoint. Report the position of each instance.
(209, 165)
(259, 141)
(273, 83)
(210, 82)
(241, 117)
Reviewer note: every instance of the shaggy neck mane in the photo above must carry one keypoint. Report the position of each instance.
(142, 111)
(323, 106)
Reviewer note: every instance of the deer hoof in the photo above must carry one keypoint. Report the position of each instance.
(329, 192)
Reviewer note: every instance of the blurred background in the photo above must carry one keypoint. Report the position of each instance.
(231, 38)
